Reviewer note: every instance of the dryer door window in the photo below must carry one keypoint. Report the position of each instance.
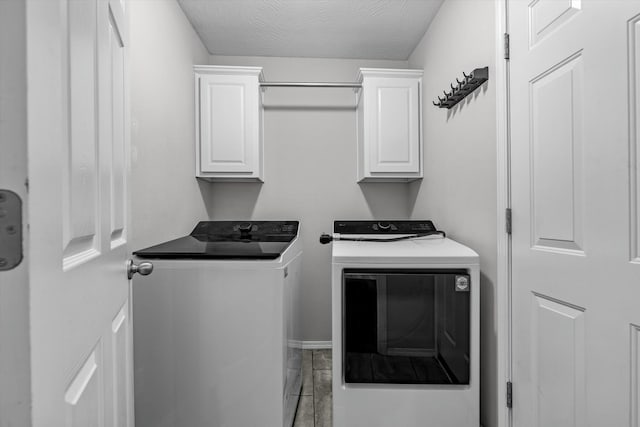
(406, 326)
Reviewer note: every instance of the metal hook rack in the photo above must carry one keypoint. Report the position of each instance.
(462, 89)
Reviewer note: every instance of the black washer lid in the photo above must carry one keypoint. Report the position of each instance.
(228, 240)
(240, 231)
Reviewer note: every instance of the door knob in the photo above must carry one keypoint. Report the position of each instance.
(144, 268)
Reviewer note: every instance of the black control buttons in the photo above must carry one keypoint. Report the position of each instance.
(245, 227)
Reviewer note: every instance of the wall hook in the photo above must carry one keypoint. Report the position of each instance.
(470, 83)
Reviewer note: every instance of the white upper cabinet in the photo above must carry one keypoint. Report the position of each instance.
(229, 123)
(389, 116)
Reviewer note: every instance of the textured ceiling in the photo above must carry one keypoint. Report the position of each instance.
(362, 29)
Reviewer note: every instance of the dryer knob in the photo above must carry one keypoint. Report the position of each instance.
(384, 226)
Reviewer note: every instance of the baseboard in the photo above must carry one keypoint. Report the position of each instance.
(316, 345)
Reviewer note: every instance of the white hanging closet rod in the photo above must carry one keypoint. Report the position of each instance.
(311, 84)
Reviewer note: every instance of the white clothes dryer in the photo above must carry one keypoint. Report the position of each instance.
(405, 323)
(217, 327)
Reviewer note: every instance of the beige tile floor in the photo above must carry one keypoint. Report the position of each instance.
(314, 407)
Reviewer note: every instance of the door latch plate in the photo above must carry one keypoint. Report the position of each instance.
(10, 230)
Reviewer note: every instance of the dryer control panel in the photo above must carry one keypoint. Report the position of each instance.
(383, 227)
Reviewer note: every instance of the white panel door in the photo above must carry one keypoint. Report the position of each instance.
(229, 124)
(394, 124)
(78, 182)
(575, 98)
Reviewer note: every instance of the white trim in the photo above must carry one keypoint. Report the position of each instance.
(227, 70)
(389, 72)
(503, 284)
(316, 345)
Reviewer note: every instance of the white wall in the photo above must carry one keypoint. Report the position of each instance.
(166, 198)
(310, 170)
(14, 286)
(459, 189)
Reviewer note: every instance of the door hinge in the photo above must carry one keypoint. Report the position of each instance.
(11, 252)
(507, 50)
(507, 220)
(509, 394)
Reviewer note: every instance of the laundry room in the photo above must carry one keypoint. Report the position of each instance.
(310, 139)
(298, 213)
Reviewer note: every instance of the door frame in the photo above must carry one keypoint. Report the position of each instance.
(503, 238)
(15, 389)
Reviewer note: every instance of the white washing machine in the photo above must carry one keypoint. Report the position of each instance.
(405, 314)
(217, 327)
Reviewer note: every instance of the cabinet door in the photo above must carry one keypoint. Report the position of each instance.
(394, 129)
(229, 125)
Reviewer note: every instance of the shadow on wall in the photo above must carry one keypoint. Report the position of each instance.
(413, 189)
(458, 107)
(240, 199)
(489, 370)
(389, 200)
